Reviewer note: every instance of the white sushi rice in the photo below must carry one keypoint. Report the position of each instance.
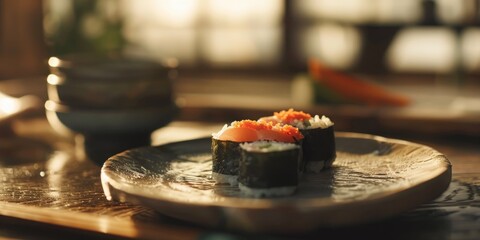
(267, 146)
(224, 178)
(314, 122)
(323, 122)
(267, 192)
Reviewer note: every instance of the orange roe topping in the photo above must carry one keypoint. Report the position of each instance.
(288, 130)
(252, 125)
(291, 115)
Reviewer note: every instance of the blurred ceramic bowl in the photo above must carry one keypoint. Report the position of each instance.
(68, 120)
(114, 83)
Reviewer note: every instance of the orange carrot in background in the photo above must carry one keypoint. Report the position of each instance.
(352, 88)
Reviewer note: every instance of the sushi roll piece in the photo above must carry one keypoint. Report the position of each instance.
(269, 168)
(226, 152)
(225, 158)
(319, 137)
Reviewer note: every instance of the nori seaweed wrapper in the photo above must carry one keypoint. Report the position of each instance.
(269, 169)
(225, 157)
(319, 145)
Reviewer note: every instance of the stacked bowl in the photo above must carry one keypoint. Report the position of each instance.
(115, 103)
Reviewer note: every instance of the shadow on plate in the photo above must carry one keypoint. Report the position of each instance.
(362, 146)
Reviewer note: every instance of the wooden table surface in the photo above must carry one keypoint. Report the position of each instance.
(48, 190)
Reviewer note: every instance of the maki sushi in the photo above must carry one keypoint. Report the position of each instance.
(226, 152)
(269, 168)
(319, 139)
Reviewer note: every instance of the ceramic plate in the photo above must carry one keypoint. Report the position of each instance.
(372, 178)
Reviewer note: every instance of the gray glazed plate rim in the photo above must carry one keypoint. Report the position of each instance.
(120, 186)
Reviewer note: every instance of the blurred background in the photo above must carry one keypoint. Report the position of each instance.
(371, 36)
(246, 55)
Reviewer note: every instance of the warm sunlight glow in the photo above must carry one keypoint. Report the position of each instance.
(471, 49)
(335, 44)
(54, 62)
(8, 105)
(167, 13)
(53, 79)
(424, 50)
(243, 13)
(223, 32)
(360, 11)
(241, 46)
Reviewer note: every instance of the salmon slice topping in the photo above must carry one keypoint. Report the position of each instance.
(250, 130)
(238, 134)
